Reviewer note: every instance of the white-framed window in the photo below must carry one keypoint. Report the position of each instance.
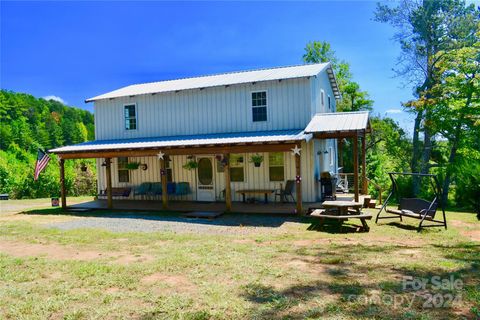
(322, 98)
(237, 164)
(329, 103)
(276, 166)
(123, 172)
(332, 157)
(130, 114)
(259, 106)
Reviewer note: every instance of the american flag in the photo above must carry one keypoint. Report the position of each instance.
(42, 161)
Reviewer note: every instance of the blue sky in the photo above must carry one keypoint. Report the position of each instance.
(76, 50)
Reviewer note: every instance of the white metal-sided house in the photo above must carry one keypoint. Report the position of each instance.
(220, 138)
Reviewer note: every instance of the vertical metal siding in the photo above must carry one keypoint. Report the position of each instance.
(210, 110)
(255, 178)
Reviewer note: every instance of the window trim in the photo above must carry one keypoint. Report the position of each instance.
(136, 116)
(270, 166)
(251, 104)
(332, 158)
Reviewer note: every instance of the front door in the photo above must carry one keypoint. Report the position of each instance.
(205, 185)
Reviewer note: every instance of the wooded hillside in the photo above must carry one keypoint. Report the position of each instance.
(28, 123)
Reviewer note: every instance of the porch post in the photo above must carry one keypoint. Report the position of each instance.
(364, 166)
(298, 187)
(62, 184)
(228, 186)
(355, 166)
(340, 152)
(108, 170)
(163, 171)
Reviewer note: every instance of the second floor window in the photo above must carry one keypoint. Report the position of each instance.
(130, 117)
(329, 103)
(259, 106)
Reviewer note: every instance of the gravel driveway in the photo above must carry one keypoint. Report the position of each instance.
(232, 223)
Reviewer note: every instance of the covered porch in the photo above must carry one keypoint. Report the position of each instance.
(210, 180)
(214, 188)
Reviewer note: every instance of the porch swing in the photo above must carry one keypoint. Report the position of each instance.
(414, 207)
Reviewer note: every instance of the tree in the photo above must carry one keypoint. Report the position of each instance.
(456, 107)
(353, 98)
(424, 29)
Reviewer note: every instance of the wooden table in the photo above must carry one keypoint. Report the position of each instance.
(266, 192)
(344, 210)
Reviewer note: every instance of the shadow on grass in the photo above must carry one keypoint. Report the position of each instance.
(332, 226)
(230, 219)
(344, 294)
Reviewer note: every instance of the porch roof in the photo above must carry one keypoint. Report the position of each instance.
(180, 141)
(339, 124)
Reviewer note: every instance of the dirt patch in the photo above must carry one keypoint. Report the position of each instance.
(163, 282)
(133, 258)
(473, 234)
(415, 253)
(461, 224)
(59, 252)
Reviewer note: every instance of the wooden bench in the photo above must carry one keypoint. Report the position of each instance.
(265, 192)
(117, 192)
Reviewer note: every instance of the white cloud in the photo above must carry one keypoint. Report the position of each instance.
(55, 98)
(393, 111)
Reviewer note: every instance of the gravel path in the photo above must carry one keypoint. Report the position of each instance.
(233, 223)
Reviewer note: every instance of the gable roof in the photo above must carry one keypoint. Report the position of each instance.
(346, 122)
(224, 79)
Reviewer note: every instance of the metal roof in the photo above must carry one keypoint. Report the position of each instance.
(224, 79)
(338, 122)
(187, 140)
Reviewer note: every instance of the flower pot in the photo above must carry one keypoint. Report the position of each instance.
(257, 164)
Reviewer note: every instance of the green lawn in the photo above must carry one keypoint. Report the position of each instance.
(290, 273)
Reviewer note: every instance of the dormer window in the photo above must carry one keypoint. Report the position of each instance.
(130, 113)
(259, 106)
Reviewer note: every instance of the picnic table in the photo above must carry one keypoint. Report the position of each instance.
(344, 210)
(265, 192)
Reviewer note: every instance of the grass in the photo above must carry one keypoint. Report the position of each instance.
(292, 273)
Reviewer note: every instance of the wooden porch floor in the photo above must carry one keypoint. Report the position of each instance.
(187, 206)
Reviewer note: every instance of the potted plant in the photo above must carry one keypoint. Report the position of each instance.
(83, 167)
(190, 165)
(256, 159)
(132, 165)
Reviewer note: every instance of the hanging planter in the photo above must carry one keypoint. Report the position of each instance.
(132, 165)
(190, 165)
(256, 159)
(83, 167)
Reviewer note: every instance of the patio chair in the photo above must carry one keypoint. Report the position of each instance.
(288, 191)
(156, 189)
(142, 189)
(182, 188)
(171, 186)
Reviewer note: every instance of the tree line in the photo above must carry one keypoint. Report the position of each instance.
(28, 123)
(440, 43)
